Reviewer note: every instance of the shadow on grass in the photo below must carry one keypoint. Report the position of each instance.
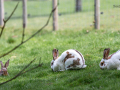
(46, 15)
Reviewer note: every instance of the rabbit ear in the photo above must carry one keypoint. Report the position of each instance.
(55, 54)
(2, 66)
(7, 64)
(106, 53)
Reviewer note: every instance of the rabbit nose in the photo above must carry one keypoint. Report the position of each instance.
(102, 63)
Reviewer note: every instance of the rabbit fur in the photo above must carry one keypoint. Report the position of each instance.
(69, 59)
(3, 70)
(110, 61)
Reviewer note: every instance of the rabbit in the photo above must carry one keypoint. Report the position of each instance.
(3, 70)
(110, 61)
(69, 59)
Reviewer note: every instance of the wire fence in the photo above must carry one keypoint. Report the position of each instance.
(68, 17)
(110, 15)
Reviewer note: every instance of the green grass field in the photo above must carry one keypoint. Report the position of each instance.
(76, 33)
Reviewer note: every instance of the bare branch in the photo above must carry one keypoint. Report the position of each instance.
(22, 42)
(12, 12)
(32, 68)
(5, 21)
(11, 50)
(22, 71)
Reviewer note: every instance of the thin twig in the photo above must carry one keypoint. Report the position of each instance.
(5, 21)
(32, 68)
(22, 72)
(40, 64)
(31, 35)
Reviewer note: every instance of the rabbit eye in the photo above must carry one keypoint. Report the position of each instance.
(102, 63)
(51, 63)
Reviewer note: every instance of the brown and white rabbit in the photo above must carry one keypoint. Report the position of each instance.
(3, 70)
(69, 59)
(110, 61)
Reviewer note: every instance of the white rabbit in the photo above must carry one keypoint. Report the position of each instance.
(69, 59)
(3, 70)
(110, 61)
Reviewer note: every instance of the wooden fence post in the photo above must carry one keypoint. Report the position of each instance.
(97, 14)
(1, 12)
(24, 13)
(78, 5)
(55, 16)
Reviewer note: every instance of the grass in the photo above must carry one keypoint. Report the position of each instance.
(90, 44)
(73, 34)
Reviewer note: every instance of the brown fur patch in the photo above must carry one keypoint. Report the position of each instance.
(75, 62)
(110, 56)
(80, 55)
(68, 56)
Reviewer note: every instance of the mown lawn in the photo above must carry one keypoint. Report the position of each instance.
(91, 45)
(86, 39)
